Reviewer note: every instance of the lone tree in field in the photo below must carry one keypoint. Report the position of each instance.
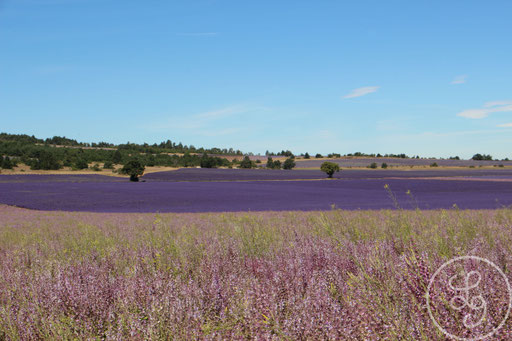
(329, 168)
(133, 168)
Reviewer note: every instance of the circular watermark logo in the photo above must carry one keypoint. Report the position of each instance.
(469, 298)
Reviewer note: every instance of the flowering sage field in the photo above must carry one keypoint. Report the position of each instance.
(351, 275)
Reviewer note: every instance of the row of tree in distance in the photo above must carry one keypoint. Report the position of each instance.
(58, 152)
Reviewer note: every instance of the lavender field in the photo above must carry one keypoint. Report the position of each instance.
(289, 275)
(212, 174)
(219, 190)
(398, 162)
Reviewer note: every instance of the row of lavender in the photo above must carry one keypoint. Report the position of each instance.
(232, 196)
(203, 174)
(334, 275)
(213, 174)
(364, 162)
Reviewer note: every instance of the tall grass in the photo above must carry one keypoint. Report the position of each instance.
(289, 275)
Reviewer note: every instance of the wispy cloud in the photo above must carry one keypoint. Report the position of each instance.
(207, 123)
(505, 125)
(461, 79)
(198, 34)
(224, 112)
(361, 91)
(497, 103)
(487, 109)
(221, 132)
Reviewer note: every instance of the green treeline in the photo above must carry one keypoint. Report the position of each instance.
(57, 152)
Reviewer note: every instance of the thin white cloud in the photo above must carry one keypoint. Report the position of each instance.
(362, 91)
(497, 103)
(461, 79)
(202, 123)
(224, 112)
(222, 132)
(505, 125)
(486, 110)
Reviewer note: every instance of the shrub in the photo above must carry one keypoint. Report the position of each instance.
(318, 156)
(108, 165)
(286, 153)
(207, 162)
(246, 162)
(480, 157)
(373, 165)
(80, 164)
(96, 167)
(384, 165)
(270, 163)
(134, 168)
(434, 164)
(289, 163)
(46, 160)
(117, 157)
(150, 160)
(277, 164)
(7, 163)
(329, 168)
(501, 165)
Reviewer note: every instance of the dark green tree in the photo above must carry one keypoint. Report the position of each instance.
(108, 165)
(270, 163)
(373, 165)
(150, 160)
(277, 164)
(46, 160)
(117, 157)
(80, 164)
(306, 156)
(207, 162)
(134, 168)
(329, 168)
(480, 157)
(384, 165)
(7, 163)
(289, 163)
(246, 162)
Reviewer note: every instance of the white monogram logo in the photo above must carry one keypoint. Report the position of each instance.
(468, 297)
(459, 302)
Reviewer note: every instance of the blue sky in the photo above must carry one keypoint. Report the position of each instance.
(419, 77)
